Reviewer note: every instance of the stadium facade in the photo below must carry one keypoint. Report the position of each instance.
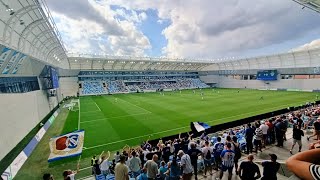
(37, 72)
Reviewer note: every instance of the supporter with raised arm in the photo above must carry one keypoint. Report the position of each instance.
(69, 174)
(104, 165)
(305, 165)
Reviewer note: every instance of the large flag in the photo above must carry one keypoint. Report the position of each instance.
(66, 145)
(199, 126)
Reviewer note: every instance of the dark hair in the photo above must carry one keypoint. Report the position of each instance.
(228, 145)
(133, 153)
(65, 173)
(174, 161)
(118, 152)
(207, 142)
(219, 139)
(249, 125)
(228, 138)
(234, 139)
(46, 176)
(122, 158)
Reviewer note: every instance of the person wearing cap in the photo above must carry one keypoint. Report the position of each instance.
(316, 132)
(121, 171)
(152, 167)
(305, 165)
(248, 170)
(270, 168)
(186, 165)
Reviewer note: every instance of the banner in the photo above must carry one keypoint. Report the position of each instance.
(267, 75)
(199, 126)
(3, 56)
(67, 145)
(11, 62)
(20, 62)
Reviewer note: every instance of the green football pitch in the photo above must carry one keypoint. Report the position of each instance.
(112, 121)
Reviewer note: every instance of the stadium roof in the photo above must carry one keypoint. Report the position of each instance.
(27, 26)
(311, 4)
(95, 62)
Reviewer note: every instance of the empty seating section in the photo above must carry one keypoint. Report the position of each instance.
(91, 87)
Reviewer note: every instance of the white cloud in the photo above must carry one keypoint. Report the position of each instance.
(93, 27)
(308, 46)
(200, 29)
(215, 28)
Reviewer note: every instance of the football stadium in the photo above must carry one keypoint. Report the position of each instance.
(159, 89)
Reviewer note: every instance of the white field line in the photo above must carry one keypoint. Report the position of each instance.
(176, 129)
(115, 117)
(134, 105)
(79, 114)
(90, 111)
(97, 106)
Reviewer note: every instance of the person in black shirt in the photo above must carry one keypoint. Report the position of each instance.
(297, 133)
(280, 131)
(248, 170)
(249, 132)
(96, 168)
(270, 168)
(194, 153)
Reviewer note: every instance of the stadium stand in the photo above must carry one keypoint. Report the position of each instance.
(90, 88)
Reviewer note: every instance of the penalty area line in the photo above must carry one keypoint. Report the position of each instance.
(97, 106)
(115, 117)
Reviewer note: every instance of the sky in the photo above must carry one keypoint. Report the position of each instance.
(197, 29)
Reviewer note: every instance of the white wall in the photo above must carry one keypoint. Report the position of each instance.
(226, 82)
(19, 114)
(68, 86)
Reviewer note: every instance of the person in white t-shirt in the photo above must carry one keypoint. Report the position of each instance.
(104, 164)
(186, 165)
(264, 129)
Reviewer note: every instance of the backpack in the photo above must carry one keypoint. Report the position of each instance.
(208, 155)
(237, 151)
